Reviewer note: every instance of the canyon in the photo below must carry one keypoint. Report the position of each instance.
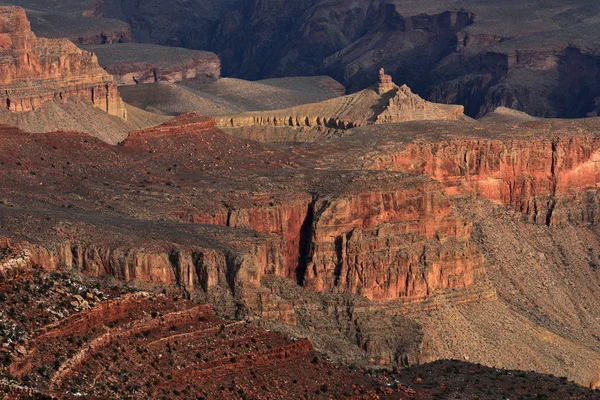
(388, 227)
(220, 238)
(522, 55)
(526, 56)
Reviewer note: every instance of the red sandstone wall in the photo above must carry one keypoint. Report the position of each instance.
(36, 70)
(532, 176)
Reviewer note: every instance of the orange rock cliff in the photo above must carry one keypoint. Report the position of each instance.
(36, 70)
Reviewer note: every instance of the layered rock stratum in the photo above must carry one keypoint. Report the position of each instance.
(135, 63)
(37, 70)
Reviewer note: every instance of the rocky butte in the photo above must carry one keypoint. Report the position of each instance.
(35, 70)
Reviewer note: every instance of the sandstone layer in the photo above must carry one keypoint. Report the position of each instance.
(36, 70)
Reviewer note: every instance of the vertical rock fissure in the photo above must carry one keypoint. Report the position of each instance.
(232, 268)
(339, 249)
(200, 270)
(306, 247)
(554, 180)
(175, 261)
(229, 213)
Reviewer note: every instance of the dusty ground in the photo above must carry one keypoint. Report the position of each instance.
(78, 115)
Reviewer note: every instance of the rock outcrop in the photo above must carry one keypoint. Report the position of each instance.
(390, 245)
(37, 70)
(550, 181)
(135, 63)
(327, 231)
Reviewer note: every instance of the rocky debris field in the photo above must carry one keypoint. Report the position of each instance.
(64, 339)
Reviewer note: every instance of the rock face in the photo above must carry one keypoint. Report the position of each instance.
(551, 181)
(36, 70)
(390, 245)
(134, 63)
(329, 233)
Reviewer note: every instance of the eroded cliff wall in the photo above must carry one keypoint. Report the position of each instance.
(36, 70)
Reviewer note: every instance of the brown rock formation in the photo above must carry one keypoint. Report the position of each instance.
(384, 103)
(390, 245)
(135, 63)
(385, 83)
(407, 106)
(36, 70)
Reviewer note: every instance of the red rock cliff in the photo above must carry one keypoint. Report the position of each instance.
(547, 179)
(36, 70)
(400, 244)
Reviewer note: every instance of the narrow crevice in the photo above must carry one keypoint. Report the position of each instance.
(200, 270)
(339, 249)
(229, 213)
(175, 261)
(233, 266)
(306, 246)
(554, 179)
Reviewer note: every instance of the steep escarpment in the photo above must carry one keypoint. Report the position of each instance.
(544, 179)
(390, 245)
(36, 70)
(306, 215)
